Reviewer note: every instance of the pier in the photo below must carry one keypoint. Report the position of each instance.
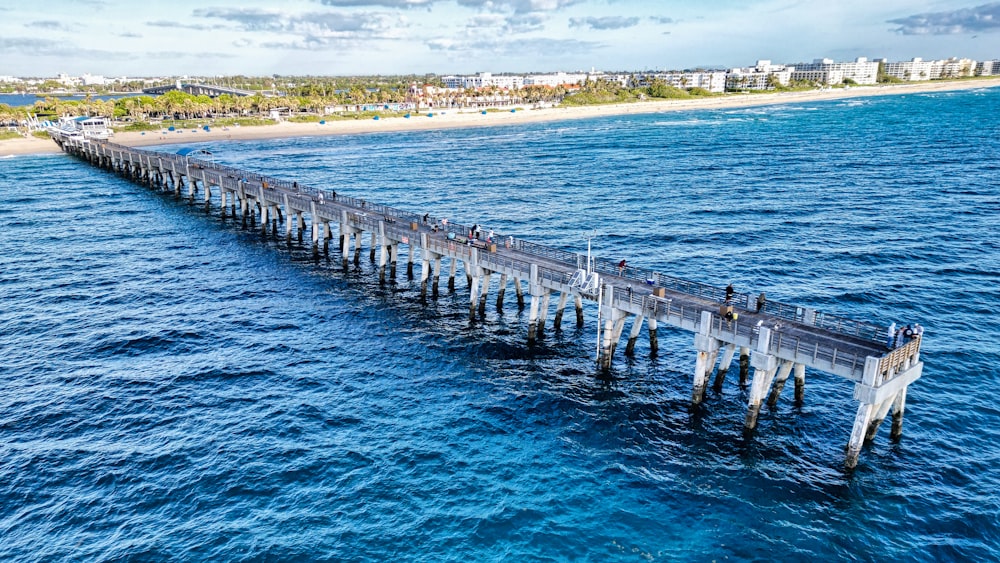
(777, 340)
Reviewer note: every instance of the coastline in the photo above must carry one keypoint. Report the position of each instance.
(447, 119)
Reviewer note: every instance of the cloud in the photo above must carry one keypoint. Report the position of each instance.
(179, 25)
(662, 19)
(247, 19)
(130, 35)
(345, 25)
(35, 47)
(51, 25)
(967, 20)
(485, 20)
(517, 47)
(523, 23)
(607, 22)
(518, 6)
(377, 3)
(174, 55)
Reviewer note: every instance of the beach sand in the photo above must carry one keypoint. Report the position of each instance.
(451, 118)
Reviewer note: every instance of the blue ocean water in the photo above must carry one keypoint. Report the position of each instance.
(177, 388)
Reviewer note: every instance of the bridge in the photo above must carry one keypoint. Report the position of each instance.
(777, 339)
(198, 90)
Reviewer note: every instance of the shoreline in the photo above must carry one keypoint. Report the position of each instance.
(448, 119)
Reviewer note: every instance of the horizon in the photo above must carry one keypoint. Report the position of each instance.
(462, 37)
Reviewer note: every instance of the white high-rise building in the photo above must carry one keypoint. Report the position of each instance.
(912, 70)
(762, 76)
(825, 71)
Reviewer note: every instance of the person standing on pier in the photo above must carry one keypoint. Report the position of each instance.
(621, 268)
(729, 292)
(761, 302)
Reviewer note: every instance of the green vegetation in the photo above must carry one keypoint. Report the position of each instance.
(608, 92)
(40, 134)
(4, 135)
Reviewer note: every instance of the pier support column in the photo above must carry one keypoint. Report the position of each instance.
(614, 322)
(765, 365)
(654, 342)
(519, 291)
(485, 291)
(437, 275)
(409, 261)
(560, 307)
(536, 294)
(634, 334)
(744, 365)
(578, 302)
(451, 273)
(345, 239)
(425, 266)
(393, 258)
(707, 348)
(467, 268)
(898, 407)
(543, 311)
(800, 382)
(474, 273)
(288, 219)
(727, 360)
(383, 248)
(357, 247)
(500, 291)
(784, 368)
(315, 227)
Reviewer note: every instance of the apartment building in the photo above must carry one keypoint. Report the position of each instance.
(825, 71)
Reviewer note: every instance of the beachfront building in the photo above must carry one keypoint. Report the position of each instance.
(825, 71)
(713, 81)
(92, 80)
(483, 80)
(762, 76)
(912, 70)
(953, 68)
(988, 68)
(555, 79)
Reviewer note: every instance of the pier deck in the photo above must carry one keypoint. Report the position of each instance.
(776, 341)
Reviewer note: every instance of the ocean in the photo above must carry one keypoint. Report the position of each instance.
(178, 388)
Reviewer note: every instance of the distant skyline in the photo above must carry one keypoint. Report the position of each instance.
(365, 37)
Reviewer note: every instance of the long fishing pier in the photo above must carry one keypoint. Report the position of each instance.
(778, 340)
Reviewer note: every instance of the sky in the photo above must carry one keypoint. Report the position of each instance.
(148, 38)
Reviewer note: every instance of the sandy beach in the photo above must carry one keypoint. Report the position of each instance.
(455, 118)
